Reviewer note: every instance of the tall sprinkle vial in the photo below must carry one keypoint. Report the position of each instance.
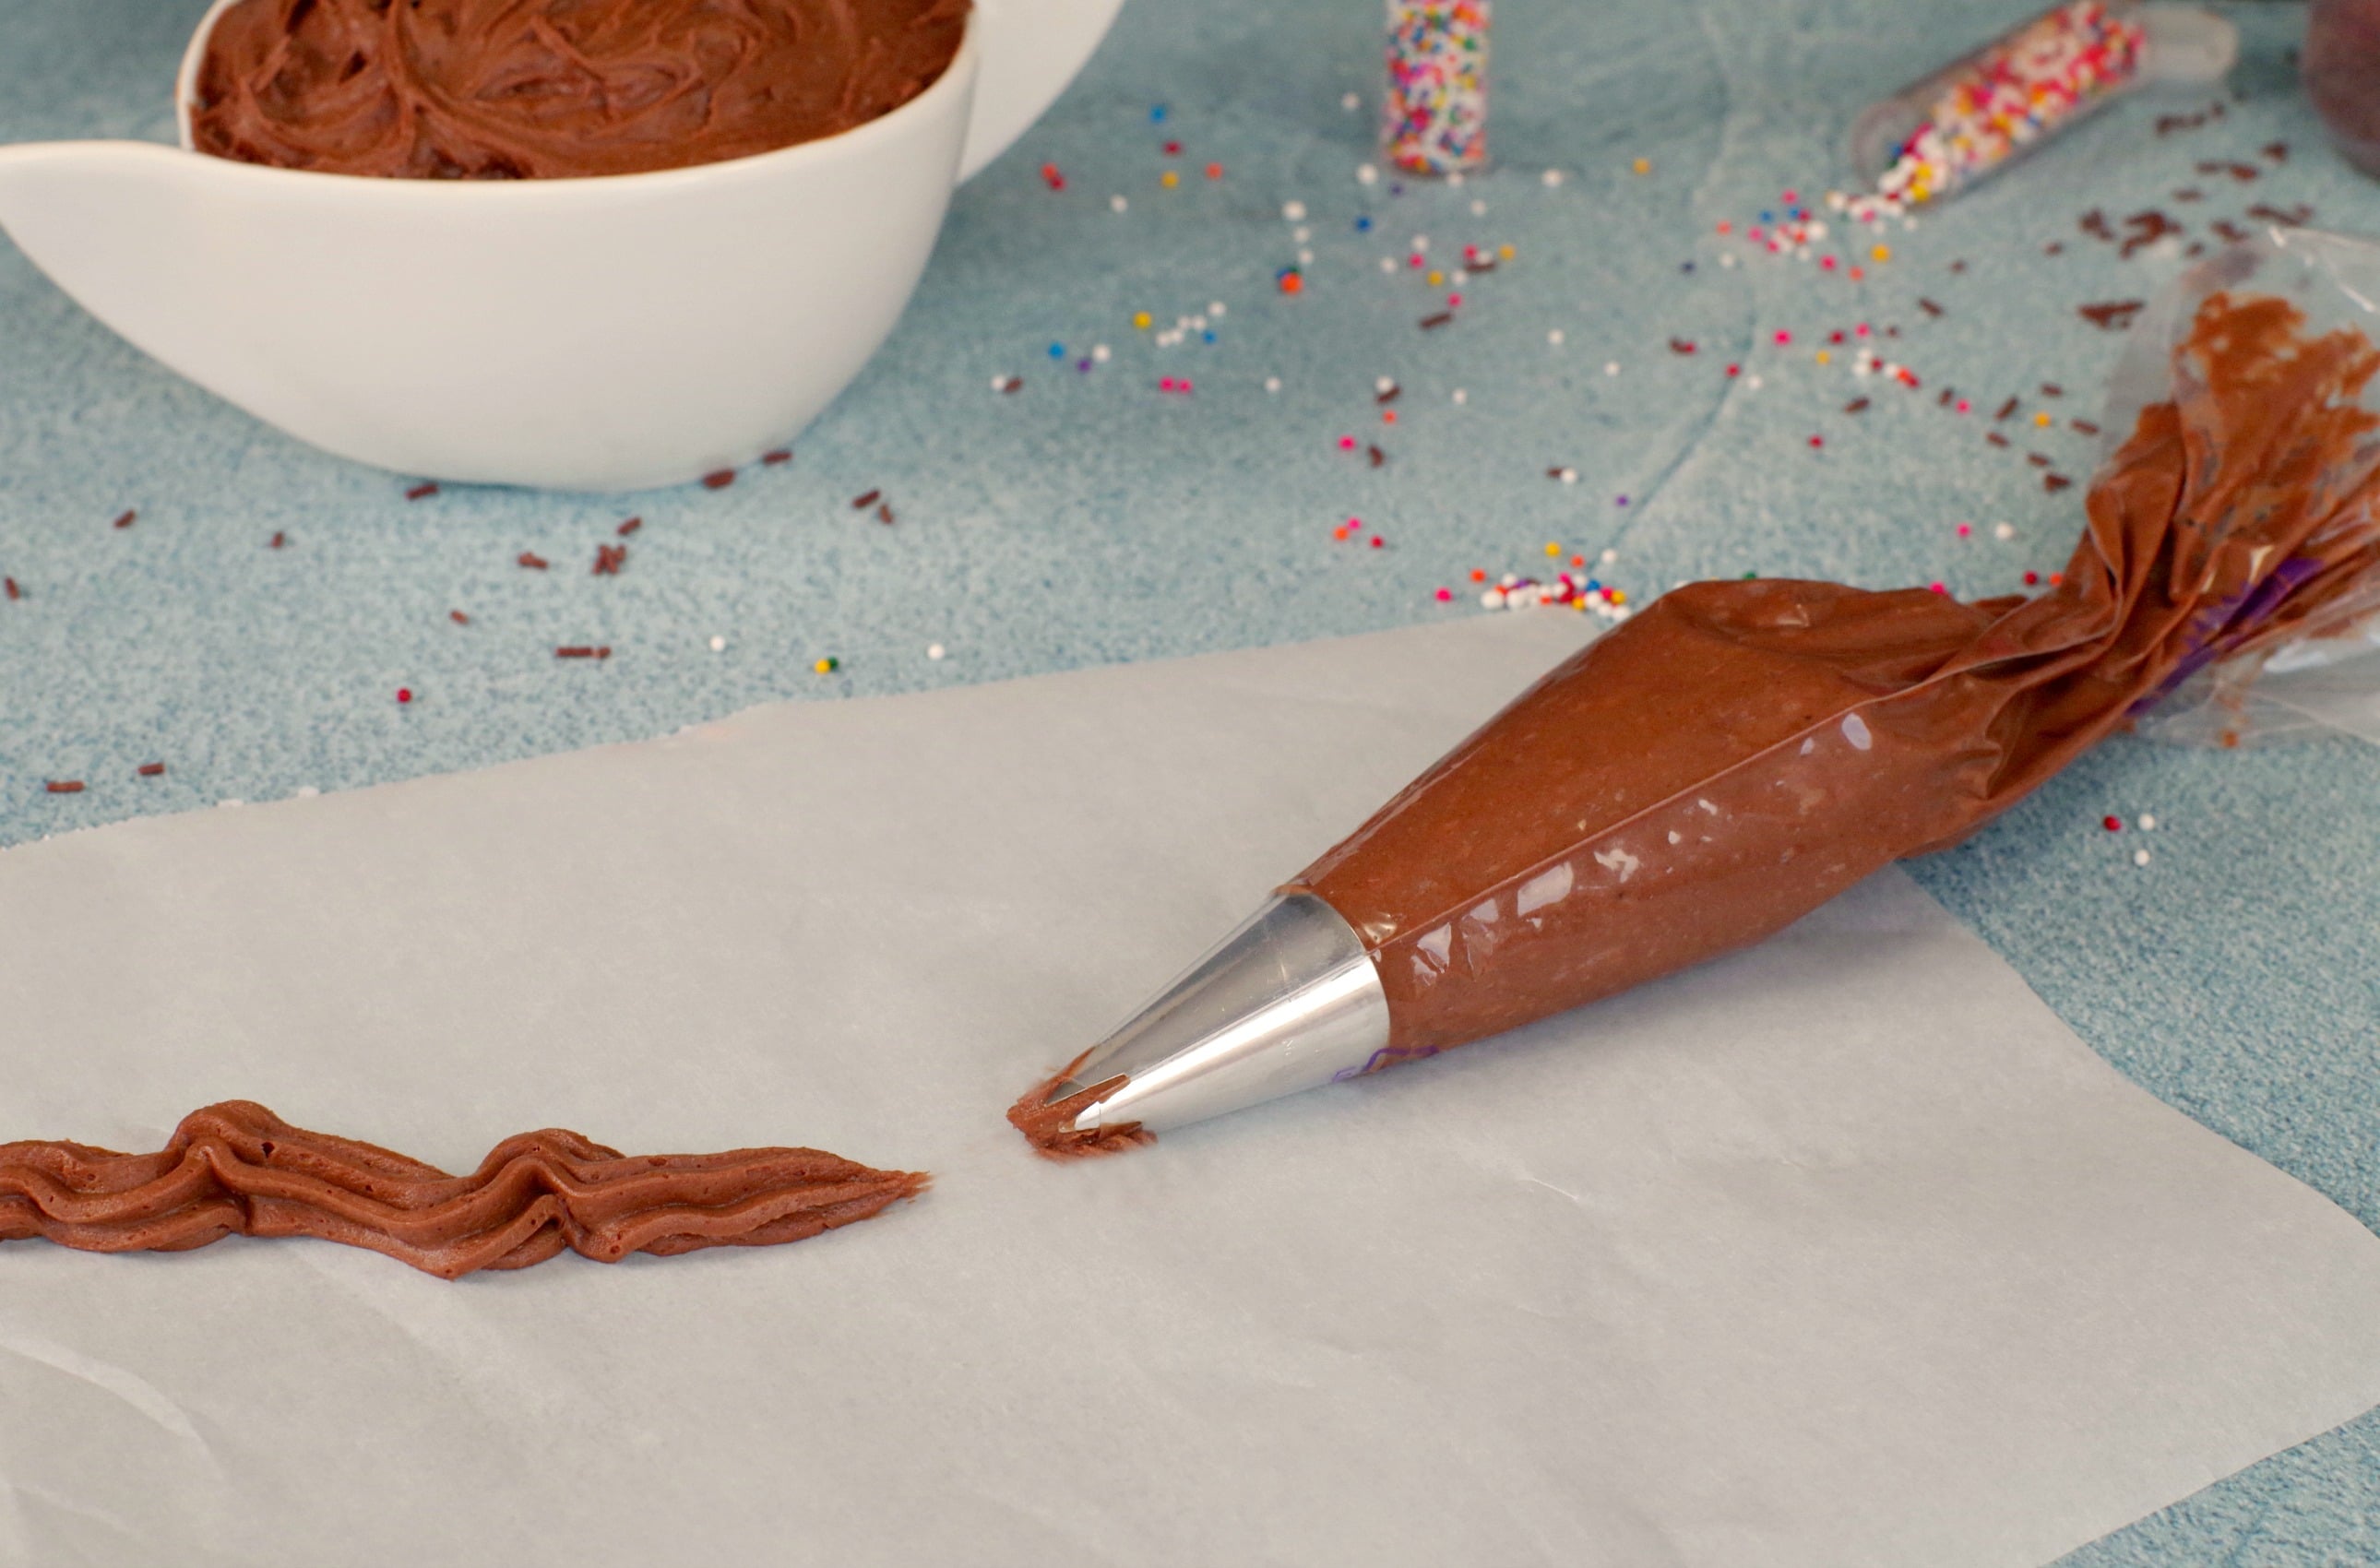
(1434, 119)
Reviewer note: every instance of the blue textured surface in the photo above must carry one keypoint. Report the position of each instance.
(1090, 516)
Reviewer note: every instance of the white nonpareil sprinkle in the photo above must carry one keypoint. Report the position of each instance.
(1000, 383)
(1552, 178)
(1293, 210)
(1388, 263)
(933, 650)
(1555, 337)
(1117, 204)
(1608, 556)
(1381, 384)
(1727, 260)
(2003, 530)
(719, 645)
(1306, 258)
(2148, 823)
(1751, 383)
(1352, 102)
(2140, 856)
(1460, 395)
(1100, 353)
(1301, 233)
(1366, 174)
(1611, 367)
(1272, 384)
(1478, 208)
(1569, 476)
(1215, 308)
(1421, 245)
(1455, 177)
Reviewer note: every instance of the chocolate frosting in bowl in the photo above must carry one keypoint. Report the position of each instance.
(555, 89)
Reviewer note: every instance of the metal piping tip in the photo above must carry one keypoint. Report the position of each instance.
(1288, 1002)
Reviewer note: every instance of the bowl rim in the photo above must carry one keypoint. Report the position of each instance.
(956, 82)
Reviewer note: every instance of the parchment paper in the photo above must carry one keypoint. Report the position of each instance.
(1844, 1251)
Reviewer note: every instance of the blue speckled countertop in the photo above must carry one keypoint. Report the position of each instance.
(1092, 517)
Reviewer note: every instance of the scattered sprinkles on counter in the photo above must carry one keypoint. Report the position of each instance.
(1791, 228)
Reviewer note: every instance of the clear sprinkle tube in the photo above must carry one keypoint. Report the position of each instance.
(1434, 119)
(1981, 113)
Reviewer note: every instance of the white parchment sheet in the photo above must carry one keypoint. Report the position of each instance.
(1844, 1251)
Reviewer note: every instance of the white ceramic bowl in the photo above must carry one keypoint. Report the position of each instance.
(601, 334)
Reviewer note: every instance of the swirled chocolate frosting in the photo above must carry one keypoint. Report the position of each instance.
(553, 89)
(237, 1169)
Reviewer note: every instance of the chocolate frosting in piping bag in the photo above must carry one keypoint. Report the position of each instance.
(1740, 752)
(550, 89)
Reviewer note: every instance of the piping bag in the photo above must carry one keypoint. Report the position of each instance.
(1740, 752)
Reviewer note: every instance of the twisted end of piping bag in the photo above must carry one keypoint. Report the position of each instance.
(1701, 777)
